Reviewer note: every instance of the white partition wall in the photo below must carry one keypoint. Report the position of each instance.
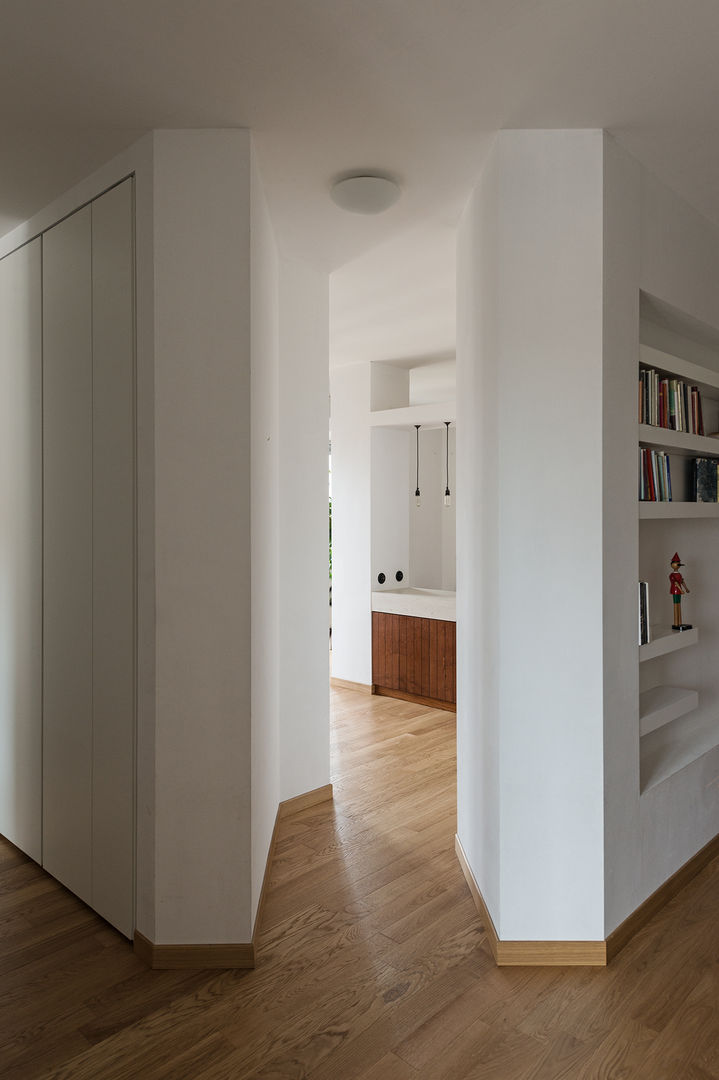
(579, 798)
(529, 589)
(20, 544)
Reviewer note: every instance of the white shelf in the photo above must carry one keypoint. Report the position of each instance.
(663, 704)
(655, 510)
(432, 415)
(678, 442)
(665, 640)
(675, 366)
(670, 748)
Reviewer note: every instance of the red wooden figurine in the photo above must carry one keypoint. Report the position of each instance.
(678, 587)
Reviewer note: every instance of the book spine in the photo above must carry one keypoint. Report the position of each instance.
(643, 614)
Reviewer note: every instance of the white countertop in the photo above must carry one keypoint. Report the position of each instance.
(421, 603)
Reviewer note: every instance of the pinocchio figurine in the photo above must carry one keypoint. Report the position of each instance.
(678, 587)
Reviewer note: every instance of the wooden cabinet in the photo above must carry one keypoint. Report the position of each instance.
(414, 658)
(89, 555)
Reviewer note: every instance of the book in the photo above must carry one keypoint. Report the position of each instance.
(644, 633)
(704, 478)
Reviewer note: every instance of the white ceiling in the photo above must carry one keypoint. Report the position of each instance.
(413, 87)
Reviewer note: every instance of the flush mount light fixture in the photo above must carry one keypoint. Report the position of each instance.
(365, 194)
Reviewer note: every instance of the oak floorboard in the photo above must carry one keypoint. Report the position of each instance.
(389, 1067)
(372, 962)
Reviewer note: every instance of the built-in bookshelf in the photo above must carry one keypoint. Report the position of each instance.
(678, 722)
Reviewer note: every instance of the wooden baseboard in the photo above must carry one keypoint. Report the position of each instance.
(345, 684)
(666, 892)
(417, 699)
(492, 938)
(530, 953)
(304, 801)
(200, 957)
(552, 954)
(193, 957)
(266, 878)
(583, 953)
(285, 809)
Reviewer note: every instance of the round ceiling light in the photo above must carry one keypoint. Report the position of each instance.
(365, 194)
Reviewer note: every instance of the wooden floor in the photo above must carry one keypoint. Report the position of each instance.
(372, 962)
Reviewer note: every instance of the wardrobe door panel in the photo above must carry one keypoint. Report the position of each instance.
(67, 621)
(113, 558)
(21, 547)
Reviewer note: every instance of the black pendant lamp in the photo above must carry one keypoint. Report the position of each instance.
(447, 493)
(416, 494)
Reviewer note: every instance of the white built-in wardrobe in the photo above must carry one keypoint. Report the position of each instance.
(67, 552)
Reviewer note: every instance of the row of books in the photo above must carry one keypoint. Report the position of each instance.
(644, 632)
(669, 403)
(655, 476)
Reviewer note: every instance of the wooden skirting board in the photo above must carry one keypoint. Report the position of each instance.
(404, 695)
(230, 955)
(654, 903)
(345, 684)
(285, 809)
(304, 801)
(193, 957)
(581, 953)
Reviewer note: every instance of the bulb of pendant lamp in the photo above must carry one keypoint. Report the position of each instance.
(447, 497)
(417, 498)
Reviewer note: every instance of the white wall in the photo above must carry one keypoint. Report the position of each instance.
(478, 719)
(265, 533)
(351, 529)
(432, 524)
(290, 577)
(391, 496)
(389, 386)
(303, 556)
(530, 590)
(622, 839)
(202, 535)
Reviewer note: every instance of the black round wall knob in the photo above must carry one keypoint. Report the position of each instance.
(381, 578)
